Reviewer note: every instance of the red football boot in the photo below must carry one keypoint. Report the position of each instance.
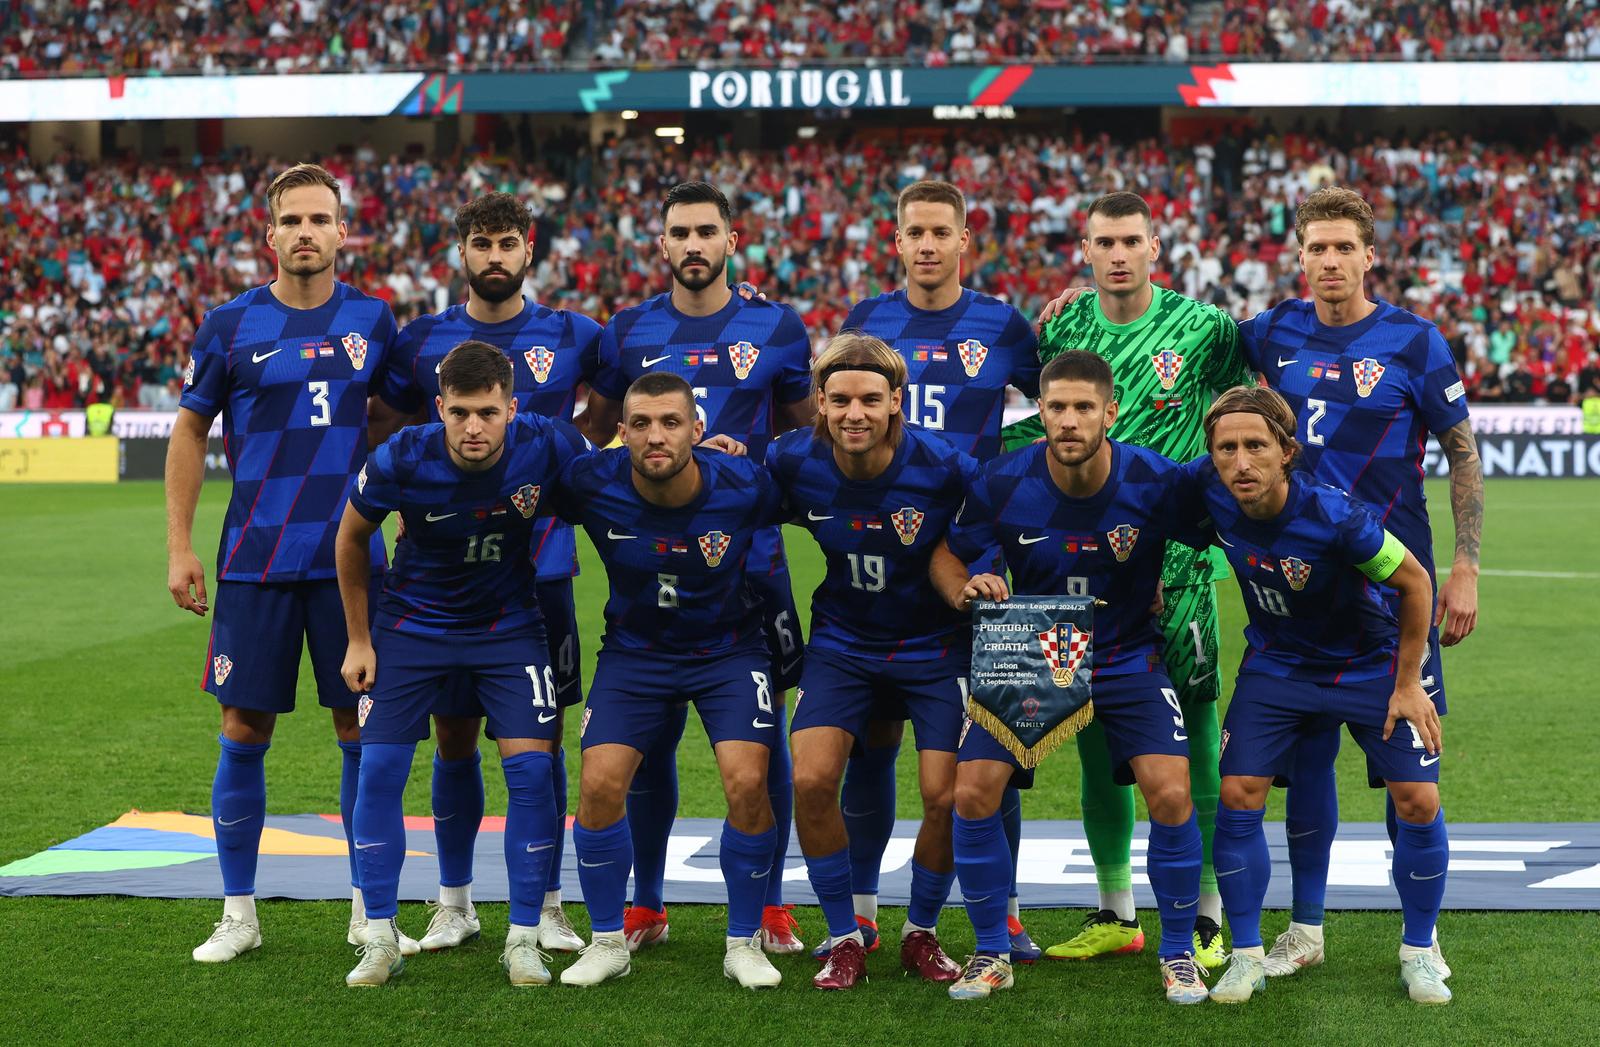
(779, 932)
(847, 964)
(641, 927)
(920, 954)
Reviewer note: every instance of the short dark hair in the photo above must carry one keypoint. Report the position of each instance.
(1335, 203)
(1079, 365)
(931, 192)
(697, 193)
(1118, 205)
(660, 383)
(493, 213)
(476, 367)
(302, 175)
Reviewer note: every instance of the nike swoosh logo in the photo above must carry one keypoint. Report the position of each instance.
(1435, 876)
(592, 865)
(651, 362)
(1429, 761)
(1432, 694)
(546, 717)
(438, 368)
(256, 358)
(788, 667)
(1179, 736)
(436, 517)
(236, 821)
(1296, 836)
(542, 847)
(763, 872)
(975, 901)
(615, 537)
(758, 724)
(1224, 541)
(366, 846)
(1230, 872)
(1193, 679)
(848, 813)
(1289, 362)
(1025, 540)
(1190, 905)
(444, 817)
(810, 515)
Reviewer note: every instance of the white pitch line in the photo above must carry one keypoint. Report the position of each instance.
(1494, 572)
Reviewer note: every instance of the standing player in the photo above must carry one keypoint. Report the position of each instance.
(961, 350)
(1367, 381)
(460, 600)
(1321, 645)
(877, 494)
(551, 352)
(674, 525)
(1170, 355)
(748, 364)
(290, 365)
(1088, 516)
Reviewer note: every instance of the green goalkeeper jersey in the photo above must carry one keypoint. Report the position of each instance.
(1169, 364)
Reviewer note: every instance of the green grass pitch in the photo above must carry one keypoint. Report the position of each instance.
(99, 712)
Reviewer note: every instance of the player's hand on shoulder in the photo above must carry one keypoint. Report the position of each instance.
(748, 291)
(360, 669)
(983, 587)
(1057, 305)
(725, 444)
(186, 581)
(1412, 704)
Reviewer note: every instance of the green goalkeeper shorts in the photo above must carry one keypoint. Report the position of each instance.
(1189, 622)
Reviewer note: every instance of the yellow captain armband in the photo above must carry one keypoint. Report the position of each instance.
(1388, 560)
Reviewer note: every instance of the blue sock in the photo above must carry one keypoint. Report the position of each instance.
(1391, 820)
(457, 813)
(830, 881)
(531, 831)
(558, 780)
(985, 871)
(604, 858)
(652, 806)
(1310, 821)
(1244, 868)
(867, 802)
(380, 824)
(746, 862)
(1011, 819)
(1421, 860)
(349, 779)
(239, 811)
(780, 791)
(1173, 865)
(929, 891)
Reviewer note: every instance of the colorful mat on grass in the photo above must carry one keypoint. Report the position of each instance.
(1553, 865)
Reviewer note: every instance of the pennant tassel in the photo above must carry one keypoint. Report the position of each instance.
(1030, 757)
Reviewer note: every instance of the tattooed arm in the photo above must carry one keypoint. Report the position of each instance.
(1458, 597)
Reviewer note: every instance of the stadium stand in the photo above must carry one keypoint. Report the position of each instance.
(64, 37)
(1496, 243)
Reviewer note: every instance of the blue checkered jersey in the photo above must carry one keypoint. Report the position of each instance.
(1313, 616)
(465, 565)
(677, 576)
(959, 360)
(739, 360)
(878, 536)
(1108, 546)
(552, 352)
(1367, 395)
(292, 386)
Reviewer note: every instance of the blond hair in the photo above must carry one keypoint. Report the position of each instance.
(1263, 402)
(854, 351)
(1335, 203)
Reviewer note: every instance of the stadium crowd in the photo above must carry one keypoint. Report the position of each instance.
(109, 266)
(51, 37)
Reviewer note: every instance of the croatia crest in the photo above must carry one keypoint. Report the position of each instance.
(1367, 374)
(363, 710)
(1122, 541)
(1064, 647)
(221, 666)
(907, 522)
(1296, 570)
(743, 356)
(973, 354)
(188, 372)
(713, 546)
(526, 499)
(540, 360)
(1167, 364)
(356, 347)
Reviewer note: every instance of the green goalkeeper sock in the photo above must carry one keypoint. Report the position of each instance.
(1107, 817)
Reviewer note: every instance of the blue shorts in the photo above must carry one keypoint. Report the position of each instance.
(457, 697)
(844, 691)
(1139, 713)
(257, 633)
(511, 675)
(1269, 714)
(768, 579)
(638, 694)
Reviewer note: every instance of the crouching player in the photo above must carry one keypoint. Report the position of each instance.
(673, 525)
(459, 599)
(1323, 649)
(877, 494)
(1079, 515)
